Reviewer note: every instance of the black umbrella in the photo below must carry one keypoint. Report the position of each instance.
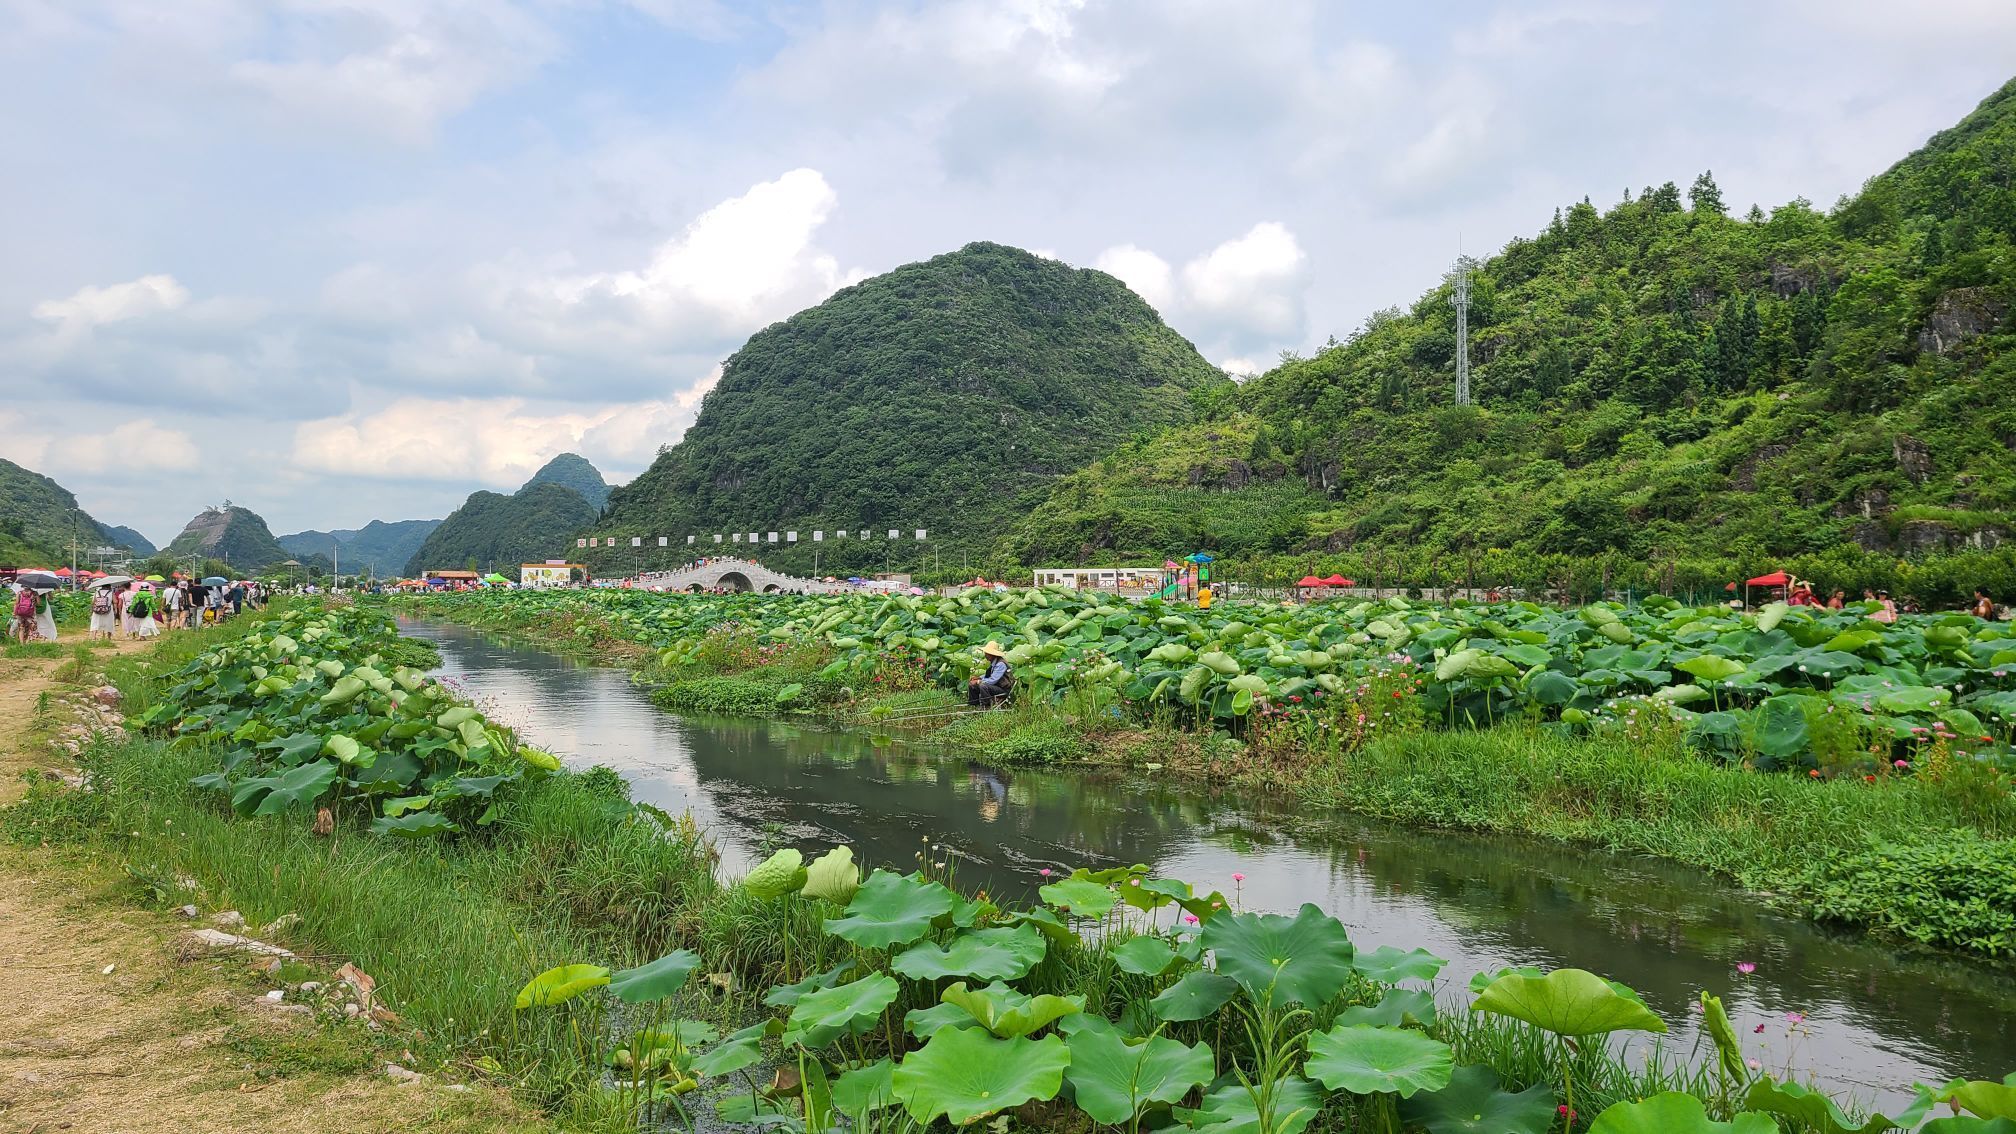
(38, 580)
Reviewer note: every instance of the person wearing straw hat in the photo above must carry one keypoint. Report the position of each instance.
(991, 688)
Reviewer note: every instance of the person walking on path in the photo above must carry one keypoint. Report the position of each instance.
(140, 612)
(25, 626)
(173, 600)
(105, 612)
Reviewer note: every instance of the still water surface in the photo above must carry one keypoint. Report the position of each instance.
(1876, 1019)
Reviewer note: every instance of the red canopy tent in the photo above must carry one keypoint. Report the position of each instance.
(1774, 579)
(1338, 581)
(62, 572)
(1311, 581)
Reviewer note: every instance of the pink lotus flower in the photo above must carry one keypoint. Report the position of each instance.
(1045, 872)
(1794, 1018)
(1238, 878)
(1746, 967)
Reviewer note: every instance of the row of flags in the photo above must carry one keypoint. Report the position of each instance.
(749, 537)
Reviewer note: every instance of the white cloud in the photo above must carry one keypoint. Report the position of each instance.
(1148, 275)
(1254, 281)
(90, 306)
(494, 442)
(92, 447)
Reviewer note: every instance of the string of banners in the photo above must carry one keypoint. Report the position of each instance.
(748, 537)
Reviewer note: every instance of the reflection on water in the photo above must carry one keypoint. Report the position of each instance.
(1878, 1019)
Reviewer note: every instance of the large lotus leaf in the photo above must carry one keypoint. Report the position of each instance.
(1485, 667)
(989, 954)
(1728, 1048)
(1549, 687)
(1305, 959)
(413, 825)
(297, 747)
(1818, 1112)
(1081, 897)
(1452, 667)
(289, 787)
(822, 1016)
(1675, 1113)
(655, 980)
(776, 876)
(1681, 694)
(1569, 1002)
(1368, 1060)
(1400, 1007)
(865, 1090)
(1916, 699)
(1293, 1103)
(1473, 1104)
(925, 1022)
(1008, 1013)
(785, 995)
(1145, 956)
(892, 909)
(1711, 667)
(1779, 728)
(560, 984)
(741, 1049)
(964, 1075)
(832, 876)
(1772, 614)
(1112, 1078)
(1389, 965)
(1966, 1124)
(1983, 1097)
(1198, 995)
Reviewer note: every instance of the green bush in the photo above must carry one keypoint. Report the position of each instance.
(1955, 889)
(724, 696)
(1044, 742)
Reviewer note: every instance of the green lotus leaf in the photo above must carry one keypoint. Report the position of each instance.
(1711, 667)
(1008, 1013)
(560, 984)
(1294, 1103)
(1983, 1097)
(1569, 1002)
(1389, 965)
(1681, 694)
(345, 749)
(1145, 956)
(1728, 1048)
(964, 1075)
(295, 748)
(1819, 1113)
(988, 954)
(1113, 1078)
(891, 909)
(655, 980)
(1772, 614)
(456, 717)
(1369, 1060)
(776, 876)
(1965, 1124)
(832, 876)
(1452, 667)
(786, 995)
(1305, 959)
(1399, 1008)
(1916, 699)
(1195, 997)
(1080, 897)
(1675, 1113)
(925, 1022)
(733, 1054)
(824, 1015)
(865, 1090)
(287, 788)
(1472, 1103)
(413, 825)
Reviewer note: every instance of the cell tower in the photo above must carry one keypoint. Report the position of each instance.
(1460, 298)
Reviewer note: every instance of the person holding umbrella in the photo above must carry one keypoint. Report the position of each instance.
(33, 618)
(105, 605)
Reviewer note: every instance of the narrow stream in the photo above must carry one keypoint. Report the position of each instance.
(1876, 1018)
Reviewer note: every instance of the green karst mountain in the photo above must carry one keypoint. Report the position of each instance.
(119, 536)
(233, 534)
(498, 532)
(571, 470)
(36, 522)
(379, 545)
(944, 395)
(1663, 387)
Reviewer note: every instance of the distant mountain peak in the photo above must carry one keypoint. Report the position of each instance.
(572, 470)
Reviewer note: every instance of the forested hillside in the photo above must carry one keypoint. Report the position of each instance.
(235, 535)
(492, 531)
(572, 470)
(36, 517)
(378, 544)
(1665, 386)
(944, 395)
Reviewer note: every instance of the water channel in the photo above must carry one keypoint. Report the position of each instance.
(1876, 1018)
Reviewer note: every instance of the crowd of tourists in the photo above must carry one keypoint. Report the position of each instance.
(1800, 592)
(138, 608)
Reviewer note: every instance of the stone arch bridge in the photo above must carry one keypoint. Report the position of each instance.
(731, 574)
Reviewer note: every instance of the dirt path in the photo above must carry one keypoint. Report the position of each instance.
(110, 1026)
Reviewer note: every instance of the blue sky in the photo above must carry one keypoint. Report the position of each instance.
(349, 259)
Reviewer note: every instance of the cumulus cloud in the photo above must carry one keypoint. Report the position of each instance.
(134, 446)
(1244, 292)
(89, 305)
(494, 442)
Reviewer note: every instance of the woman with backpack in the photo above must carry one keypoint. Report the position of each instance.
(25, 625)
(140, 612)
(104, 612)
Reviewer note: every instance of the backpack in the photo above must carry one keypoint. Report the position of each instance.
(24, 604)
(138, 608)
(102, 602)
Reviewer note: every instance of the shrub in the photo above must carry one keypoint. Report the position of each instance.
(1954, 889)
(1044, 742)
(724, 696)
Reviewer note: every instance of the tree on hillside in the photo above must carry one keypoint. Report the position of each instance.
(1705, 196)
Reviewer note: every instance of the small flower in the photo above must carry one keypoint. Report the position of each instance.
(1045, 872)
(1794, 1018)
(1753, 1063)
(1191, 918)
(1815, 773)
(1238, 878)
(1746, 967)
(1759, 1028)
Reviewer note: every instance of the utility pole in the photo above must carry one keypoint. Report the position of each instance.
(1460, 299)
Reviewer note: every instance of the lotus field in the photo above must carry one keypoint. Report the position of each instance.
(1782, 687)
(306, 709)
(1146, 1004)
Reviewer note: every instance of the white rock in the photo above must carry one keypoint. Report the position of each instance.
(282, 924)
(229, 919)
(277, 995)
(311, 986)
(401, 1075)
(217, 939)
(350, 1011)
(185, 911)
